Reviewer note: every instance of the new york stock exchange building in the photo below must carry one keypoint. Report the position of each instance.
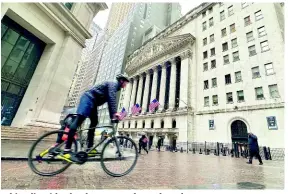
(213, 81)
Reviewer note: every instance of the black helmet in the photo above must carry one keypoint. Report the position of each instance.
(123, 77)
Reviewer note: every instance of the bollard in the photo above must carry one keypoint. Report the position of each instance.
(205, 149)
(181, 150)
(232, 152)
(269, 153)
(194, 151)
(265, 153)
(224, 151)
(200, 151)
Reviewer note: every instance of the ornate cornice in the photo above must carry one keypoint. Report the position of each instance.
(191, 15)
(67, 21)
(157, 49)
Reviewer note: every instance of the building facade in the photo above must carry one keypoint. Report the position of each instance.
(84, 67)
(41, 45)
(143, 22)
(217, 73)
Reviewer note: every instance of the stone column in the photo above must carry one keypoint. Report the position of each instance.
(183, 102)
(133, 94)
(154, 84)
(172, 85)
(127, 95)
(146, 92)
(162, 88)
(139, 93)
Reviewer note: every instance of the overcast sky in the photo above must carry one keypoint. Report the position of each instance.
(102, 16)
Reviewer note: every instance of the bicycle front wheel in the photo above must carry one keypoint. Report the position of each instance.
(116, 164)
(42, 160)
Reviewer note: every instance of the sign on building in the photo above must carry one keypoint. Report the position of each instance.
(211, 125)
(272, 124)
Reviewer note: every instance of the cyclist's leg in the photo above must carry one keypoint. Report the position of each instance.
(93, 124)
(77, 121)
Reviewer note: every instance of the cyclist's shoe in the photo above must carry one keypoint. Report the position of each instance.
(92, 153)
(54, 151)
(69, 157)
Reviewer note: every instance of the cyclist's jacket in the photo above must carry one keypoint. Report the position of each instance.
(105, 92)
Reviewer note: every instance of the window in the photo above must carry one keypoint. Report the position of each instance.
(205, 54)
(240, 96)
(258, 15)
(206, 101)
(236, 56)
(232, 28)
(229, 97)
(261, 31)
(204, 26)
(227, 79)
(255, 72)
(206, 85)
(244, 5)
(252, 50)
(205, 66)
(204, 41)
(234, 42)
(215, 100)
(222, 15)
(210, 10)
(225, 46)
(213, 64)
(211, 38)
(247, 21)
(230, 10)
(211, 23)
(259, 93)
(68, 5)
(203, 14)
(212, 51)
(223, 32)
(269, 69)
(214, 82)
(226, 59)
(273, 89)
(249, 36)
(238, 77)
(264, 46)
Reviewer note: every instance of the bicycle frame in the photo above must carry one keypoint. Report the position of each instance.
(111, 135)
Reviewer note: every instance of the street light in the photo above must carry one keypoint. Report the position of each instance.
(187, 120)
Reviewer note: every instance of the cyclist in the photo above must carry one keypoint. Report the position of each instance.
(89, 101)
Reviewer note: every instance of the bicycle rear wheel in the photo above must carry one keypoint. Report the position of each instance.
(44, 163)
(116, 165)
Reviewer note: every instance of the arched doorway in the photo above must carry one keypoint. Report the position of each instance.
(239, 132)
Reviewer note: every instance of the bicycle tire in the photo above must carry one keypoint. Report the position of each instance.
(30, 159)
(112, 140)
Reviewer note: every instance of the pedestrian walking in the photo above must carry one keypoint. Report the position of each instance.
(253, 148)
(159, 143)
(174, 145)
(143, 144)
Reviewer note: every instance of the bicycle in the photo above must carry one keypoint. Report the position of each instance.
(44, 155)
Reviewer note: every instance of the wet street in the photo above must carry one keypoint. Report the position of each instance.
(157, 170)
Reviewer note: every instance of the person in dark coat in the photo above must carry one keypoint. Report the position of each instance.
(159, 143)
(143, 143)
(174, 145)
(253, 148)
(89, 102)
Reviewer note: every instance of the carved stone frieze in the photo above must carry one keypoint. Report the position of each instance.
(158, 49)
